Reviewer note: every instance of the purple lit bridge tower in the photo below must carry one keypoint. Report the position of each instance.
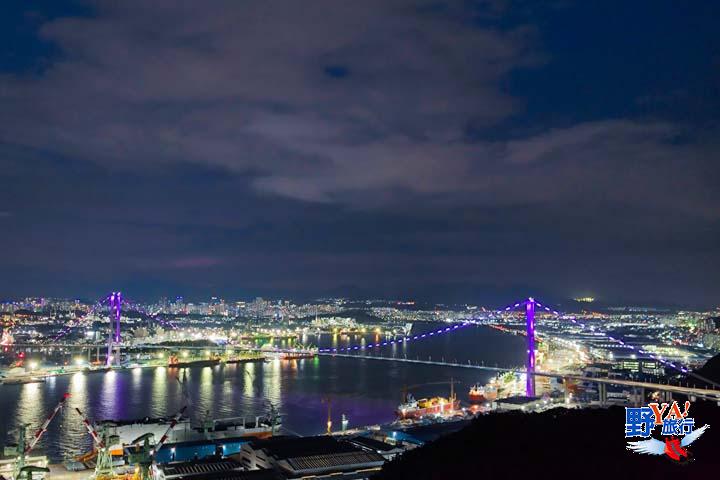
(115, 304)
(529, 306)
(530, 362)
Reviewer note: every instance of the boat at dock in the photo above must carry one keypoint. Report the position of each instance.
(484, 394)
(22, 380)
(297, 356)
(414, 409)
(258, 359)
(175, 363)
(261, 426)
(220, 431)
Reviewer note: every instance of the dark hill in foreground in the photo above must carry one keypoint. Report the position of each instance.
(559, 443)
(711, 369)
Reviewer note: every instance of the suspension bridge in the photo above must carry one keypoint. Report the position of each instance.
(529, 307)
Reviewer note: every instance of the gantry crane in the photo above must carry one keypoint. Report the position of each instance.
(23, 449)
(142, 455)
(102, 441)
(406, 388)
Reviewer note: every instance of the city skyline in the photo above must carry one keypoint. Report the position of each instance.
(439, 151)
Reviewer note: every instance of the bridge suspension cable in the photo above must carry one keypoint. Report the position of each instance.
(531, 306)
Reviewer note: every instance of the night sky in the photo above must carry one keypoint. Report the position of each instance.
(447, 151)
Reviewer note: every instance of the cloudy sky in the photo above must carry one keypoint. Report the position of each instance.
(460, 150)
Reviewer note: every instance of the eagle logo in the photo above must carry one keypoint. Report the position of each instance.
(673, 447)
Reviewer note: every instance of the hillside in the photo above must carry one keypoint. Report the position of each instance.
(563, 443)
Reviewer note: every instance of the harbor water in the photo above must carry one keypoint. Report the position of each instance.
(366, 391)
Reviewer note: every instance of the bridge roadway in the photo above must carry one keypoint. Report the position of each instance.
(148, 346)
(694, 391)
(710, 394)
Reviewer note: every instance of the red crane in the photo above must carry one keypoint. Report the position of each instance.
(43, 428)
(91, 430)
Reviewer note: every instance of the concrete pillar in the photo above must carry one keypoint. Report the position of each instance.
(602, 390)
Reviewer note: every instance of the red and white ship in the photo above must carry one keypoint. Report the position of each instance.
(480, 394)
(412, 408)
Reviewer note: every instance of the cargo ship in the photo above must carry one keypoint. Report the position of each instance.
(297, 355)
(175, 363)
(246, 359)
(480, 394)
(183, 431)
(22, 380)
(125, 432)
(414, 409)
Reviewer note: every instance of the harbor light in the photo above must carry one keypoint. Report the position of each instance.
(79, 361)
(33, 365)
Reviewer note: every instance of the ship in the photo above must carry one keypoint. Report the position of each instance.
(297, 355)
(22, 380)
(127, 431)
(175, 363)
(414, 409)
(484, 394)
(245, 360)
(184, 431)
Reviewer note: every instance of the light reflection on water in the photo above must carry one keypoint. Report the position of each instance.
(28, 413)
(160, 382)
(366, 390)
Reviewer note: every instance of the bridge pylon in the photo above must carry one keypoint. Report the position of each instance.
(530, 362)
(115, 304)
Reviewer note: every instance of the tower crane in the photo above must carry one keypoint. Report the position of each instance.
(23, 449)
(102, 441)
(142, 454)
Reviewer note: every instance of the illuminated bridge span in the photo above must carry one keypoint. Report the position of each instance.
(529, 306)
(708, 394)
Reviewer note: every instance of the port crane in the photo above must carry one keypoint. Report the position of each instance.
(23, 448)
(142, 454)
(104, 469)
(406, 388)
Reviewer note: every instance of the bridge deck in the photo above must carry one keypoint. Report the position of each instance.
(700, 392)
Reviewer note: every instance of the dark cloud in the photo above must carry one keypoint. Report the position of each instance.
(229, 146)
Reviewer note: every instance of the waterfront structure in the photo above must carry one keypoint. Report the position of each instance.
(317, 457)
(213, 469)
(525, 404)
